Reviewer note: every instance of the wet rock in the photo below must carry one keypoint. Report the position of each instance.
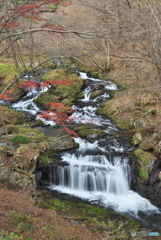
(61, 143)
(88, 133)
(95, 94)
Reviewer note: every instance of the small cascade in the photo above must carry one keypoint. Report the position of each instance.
(27, 103)
(86, 92)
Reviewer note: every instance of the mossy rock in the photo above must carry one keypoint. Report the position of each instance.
(3, 150)
(145, 163)
(80, 95)
(45, 160)
(47, 97)
(25, 158)
(61, 143)
(32, 134)
(10, 116)
(88, 133)
(71, 89)
(66, 102)
(95, 94)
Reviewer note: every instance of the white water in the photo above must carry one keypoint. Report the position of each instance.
(94, 172)
(27, 103)
(98, 179)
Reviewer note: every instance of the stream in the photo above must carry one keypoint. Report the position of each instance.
(99, 170)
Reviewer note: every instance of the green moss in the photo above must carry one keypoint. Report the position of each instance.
(33, 134)
(96, 218)
(72, 89)
(45, 160)
(20, 139)
(143, 174)
(46, 97)
(86, 132)
(144, 165)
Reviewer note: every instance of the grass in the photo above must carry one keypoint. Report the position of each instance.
(9, 71)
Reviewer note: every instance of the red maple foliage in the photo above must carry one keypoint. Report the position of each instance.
(29, 85)
(5, 97)
(60, 114)
(55, 82)
(31, 10)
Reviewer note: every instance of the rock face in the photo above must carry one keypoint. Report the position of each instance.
(148, 165)
(18, 161)
(147, 180)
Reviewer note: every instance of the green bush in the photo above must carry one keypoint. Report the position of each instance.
(20, 139)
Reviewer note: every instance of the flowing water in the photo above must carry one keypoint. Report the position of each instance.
(99, 170)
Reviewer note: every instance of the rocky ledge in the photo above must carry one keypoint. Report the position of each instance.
(22, 149)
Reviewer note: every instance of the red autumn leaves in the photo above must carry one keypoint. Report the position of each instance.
(58, 112)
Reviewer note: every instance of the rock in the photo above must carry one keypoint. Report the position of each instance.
(95, 94)
(17, 94)
(137, 138)
(88, 133)
(157, 148)
(61, 143)
(160, 176)
(139, 124)
(145, 162)
(4, 172)
(22, 180)
(3, 150)
(32, 134)
(147, 144)
(9, 116)
(25, 158)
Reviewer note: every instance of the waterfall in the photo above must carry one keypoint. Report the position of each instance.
(98, 170)
(97, 173)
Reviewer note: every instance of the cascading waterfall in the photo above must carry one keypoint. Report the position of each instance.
(99, 174)
(97, 171)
